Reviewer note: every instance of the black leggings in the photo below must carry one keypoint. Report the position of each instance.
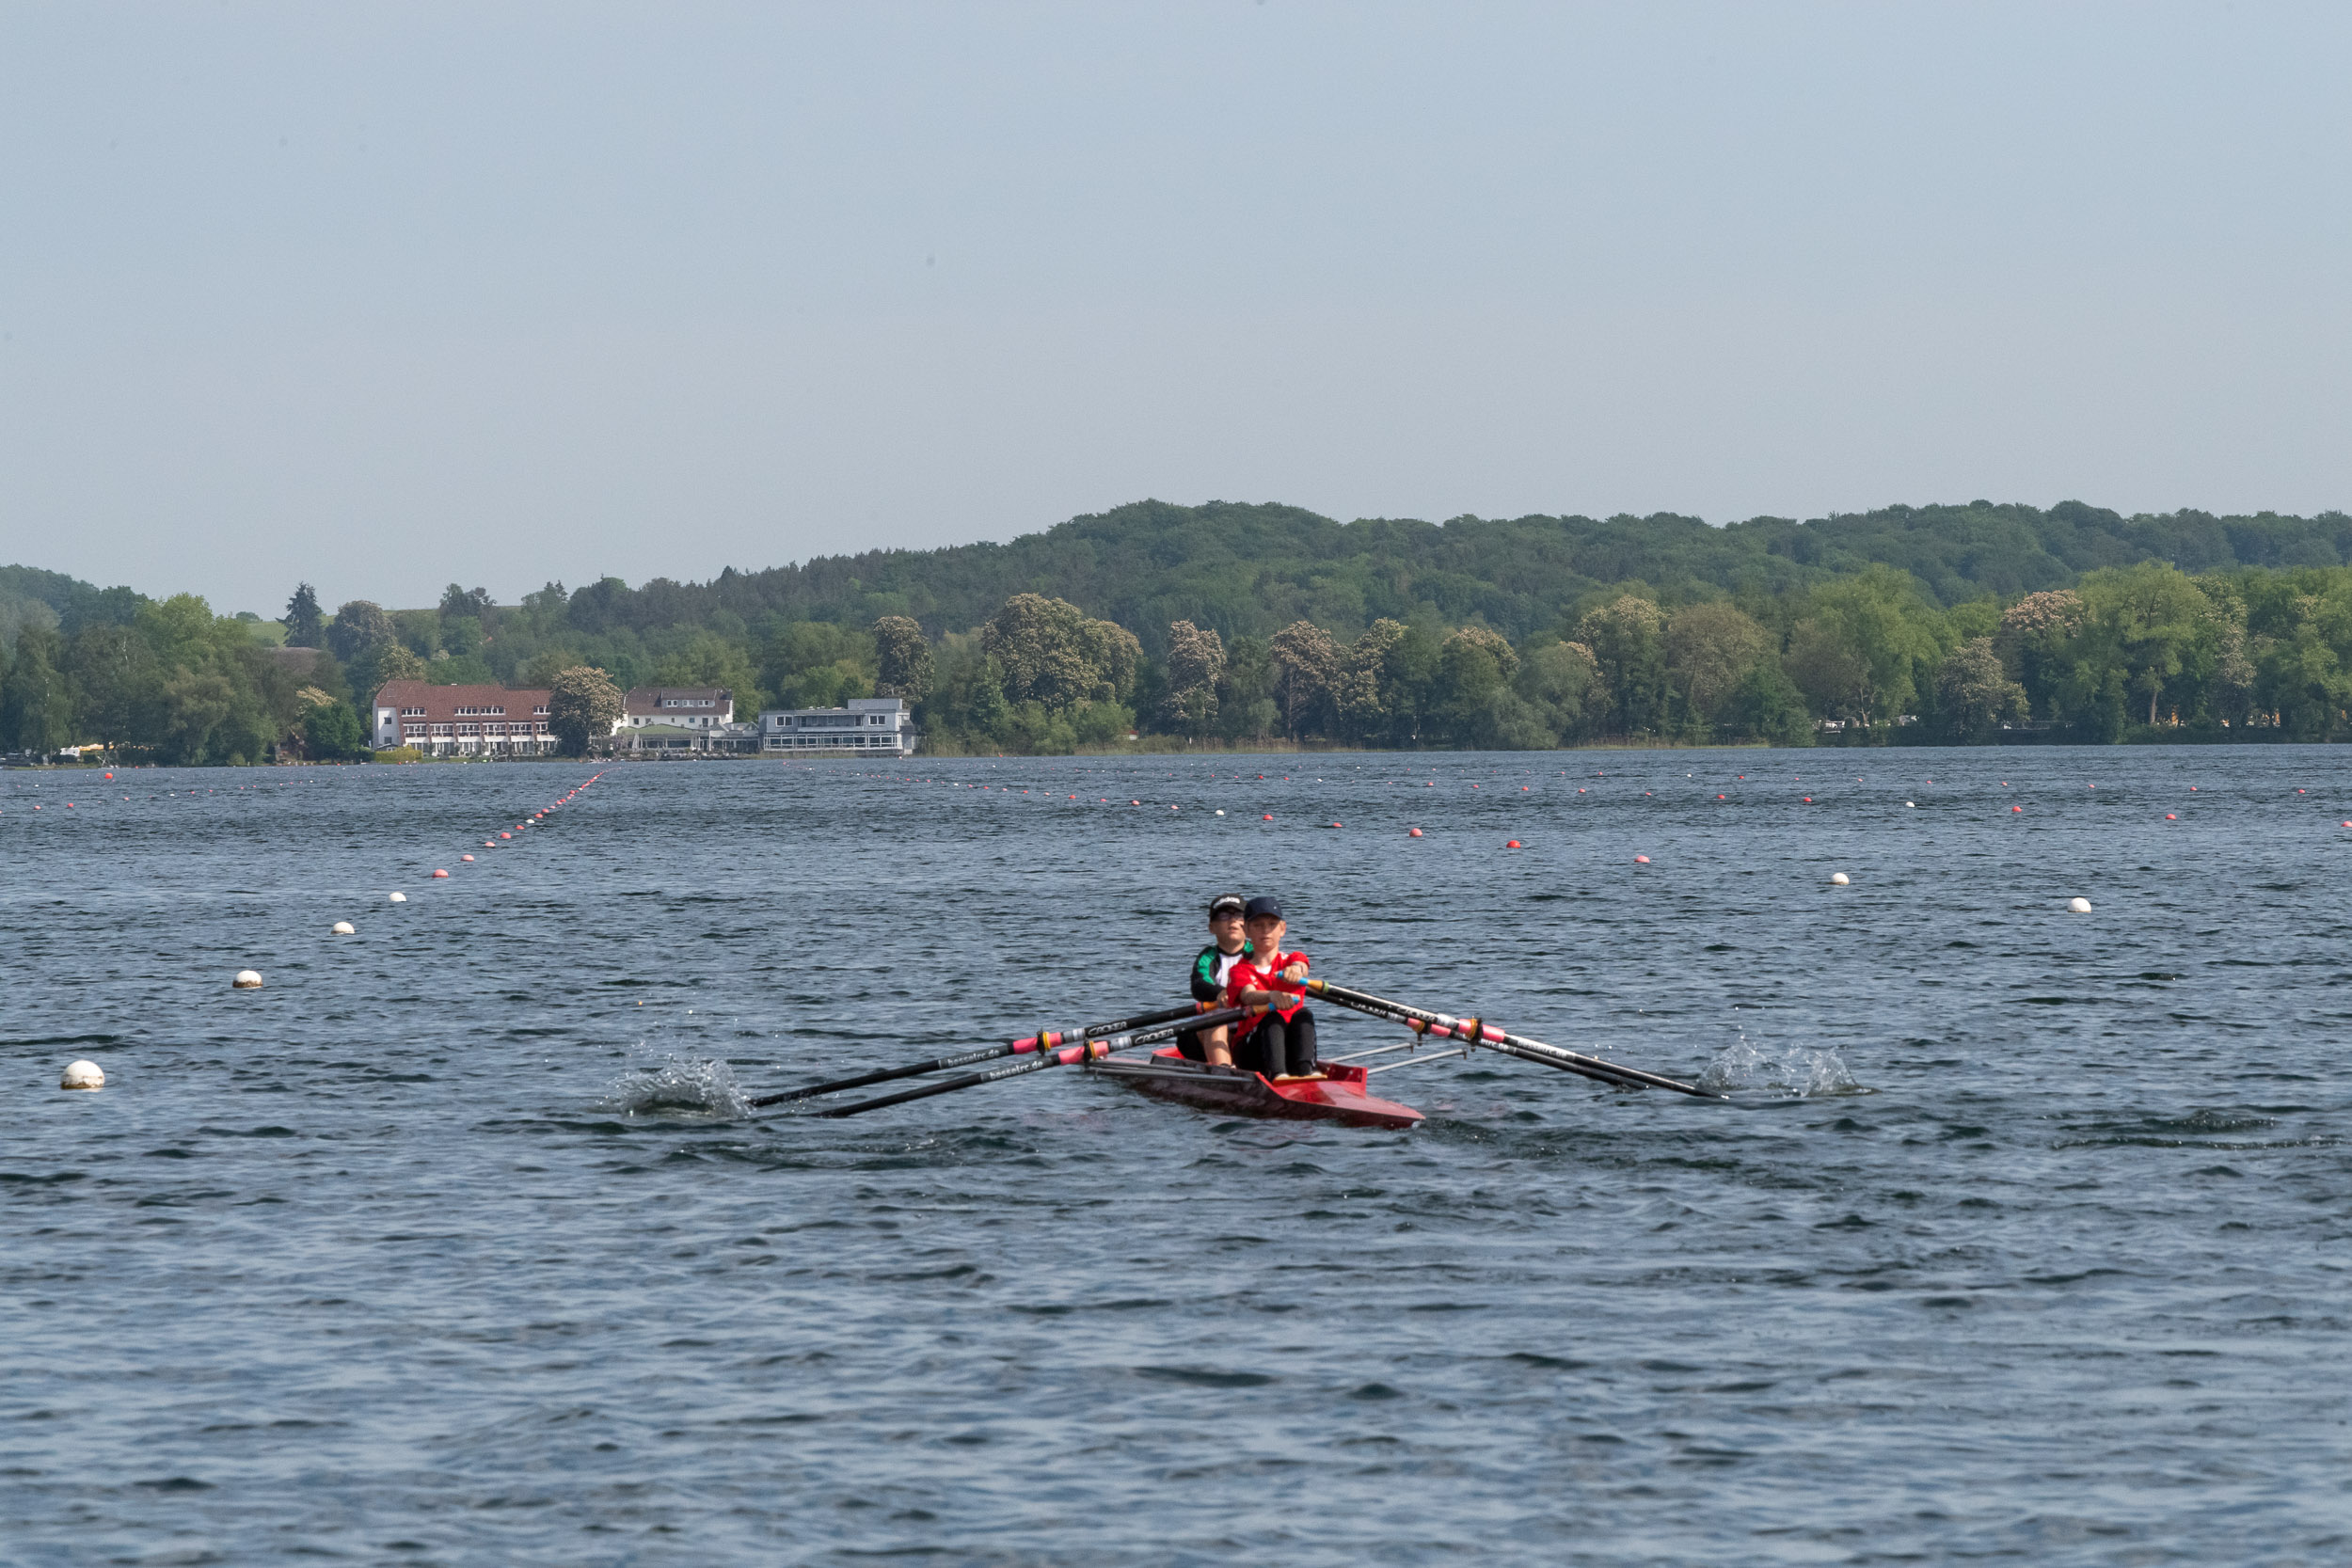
(1274, 1047)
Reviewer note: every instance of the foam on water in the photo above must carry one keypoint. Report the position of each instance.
(680, 1084)
(1745, 1066)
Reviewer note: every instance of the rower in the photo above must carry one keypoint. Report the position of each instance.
(1281, 1041)
(1209, 971)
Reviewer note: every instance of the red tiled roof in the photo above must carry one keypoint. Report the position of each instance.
(441, 703)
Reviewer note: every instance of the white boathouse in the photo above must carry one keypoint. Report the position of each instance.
(868, 727)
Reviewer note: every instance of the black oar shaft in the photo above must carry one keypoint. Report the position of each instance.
(1481, 1032)
(1047, 1039)
(1060, 1056)
(970, 1080)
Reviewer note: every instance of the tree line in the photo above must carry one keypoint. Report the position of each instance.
(1867, 653)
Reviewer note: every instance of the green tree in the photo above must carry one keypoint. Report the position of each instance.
(1974, 693)
(816, 664)
(36, 700)
(1245, 693)
(118, 682)
(2154, 616)
(1766, 705)
(2036, 642)
(196, 706)
(1472, 694)
(306, 626)
(1561, 682)
(1053, 654)
(1863, 648)
(902, 659)
(1709, 649)
(1196, 661)
(1306, 661)
(332, 731)
(713, 661)
(359, 629)
(1627, 637)
(583, 707)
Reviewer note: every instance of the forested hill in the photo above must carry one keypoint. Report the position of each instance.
(1252, 569)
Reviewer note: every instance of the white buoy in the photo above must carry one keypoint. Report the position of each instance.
(400, 898)
(82, 1075)
(2078, 906)
(1910, 805)
(247, 979)
(342, 929)
(1839, 878)
(1220, 814)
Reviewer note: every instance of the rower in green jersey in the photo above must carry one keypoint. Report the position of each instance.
(1209, 973)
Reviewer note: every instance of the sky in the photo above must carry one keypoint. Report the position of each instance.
(386, 296)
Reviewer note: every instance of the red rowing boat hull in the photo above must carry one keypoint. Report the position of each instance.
(1338, 1096)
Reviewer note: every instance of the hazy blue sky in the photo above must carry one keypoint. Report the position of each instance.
(387, 296)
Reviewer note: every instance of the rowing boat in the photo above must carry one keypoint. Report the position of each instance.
(1337, 1093)
(1120, 1051)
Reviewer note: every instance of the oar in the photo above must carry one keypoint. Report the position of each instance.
(1044, 1039)
(1479, 1032)
(1062, 1058)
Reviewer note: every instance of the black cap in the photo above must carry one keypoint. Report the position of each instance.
(1263, 907)
(1224, 903)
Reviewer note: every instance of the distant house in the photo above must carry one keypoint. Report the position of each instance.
(679, 707)
(461, 720)
(870, 726)
(678, 719)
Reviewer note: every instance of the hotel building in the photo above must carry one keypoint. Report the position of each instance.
(461, 720)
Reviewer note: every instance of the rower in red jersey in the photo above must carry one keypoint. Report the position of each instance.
(1279, 1041)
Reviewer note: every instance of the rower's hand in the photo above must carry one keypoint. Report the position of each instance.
(1294, 974)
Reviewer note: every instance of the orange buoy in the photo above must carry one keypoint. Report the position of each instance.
(2017, 808)
(441, 873)
(1267, 818)
(1415, 833)
(1515, 844)
(1641, 859)
(2168, 817)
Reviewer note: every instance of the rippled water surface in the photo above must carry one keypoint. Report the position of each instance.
(2023, 1236)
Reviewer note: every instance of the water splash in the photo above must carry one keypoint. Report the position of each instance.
(1791, 1070)
(680, 1085)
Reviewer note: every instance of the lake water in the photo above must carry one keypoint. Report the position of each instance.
(2023, 1237)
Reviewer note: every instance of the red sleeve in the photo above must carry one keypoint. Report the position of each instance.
(1281, 962)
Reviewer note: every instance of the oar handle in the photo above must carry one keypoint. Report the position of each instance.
(1168, 1032)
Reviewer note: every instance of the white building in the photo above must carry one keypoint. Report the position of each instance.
(681, 707)
(868, 727)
